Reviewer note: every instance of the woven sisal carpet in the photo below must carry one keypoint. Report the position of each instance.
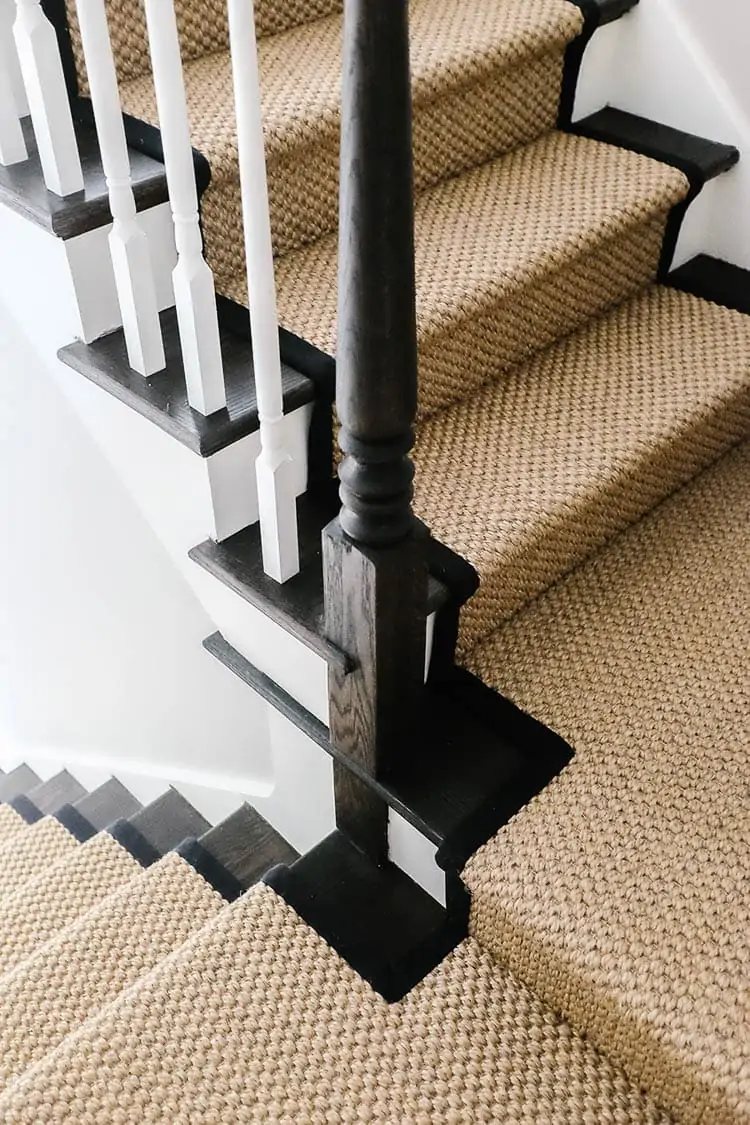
(11, 823)
(257, 1020)
(563, 396)
(622, 892)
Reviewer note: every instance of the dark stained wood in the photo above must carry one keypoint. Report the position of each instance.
(110, 802)
(51, 795)
(22, 187)
(700, 159)
(384, 925)
(713, 280)
(374, 557)
(247, 845)
(163, 398)
(169, 820)
(18, 782)
(298, 604)
(476, 761)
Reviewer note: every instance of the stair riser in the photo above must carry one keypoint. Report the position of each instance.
(467, 354)
(621, 501)
(512, 108)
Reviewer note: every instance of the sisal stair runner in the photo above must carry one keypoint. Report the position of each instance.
(570, 409)
(621, 894)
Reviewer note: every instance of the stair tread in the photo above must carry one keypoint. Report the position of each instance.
(541, 467)
(107, 803)
(36, 850)
(258, 974)
(62, 789)
(169, 820)
(247, 845)
(300, 71)
(17, 781)
(622, 893)
(91, 961)
(487, 242)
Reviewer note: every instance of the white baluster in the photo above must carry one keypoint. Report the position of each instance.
(128, 244)
(44, 82)
(195, 296)
(275, 469)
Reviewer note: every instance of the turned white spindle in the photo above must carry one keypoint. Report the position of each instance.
(195, 296)
(44, 82)
(274, 467)
(131, 258)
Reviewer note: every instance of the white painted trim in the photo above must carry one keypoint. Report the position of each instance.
(677, 62)
(415, 854)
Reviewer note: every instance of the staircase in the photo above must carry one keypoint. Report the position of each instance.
(526, 685)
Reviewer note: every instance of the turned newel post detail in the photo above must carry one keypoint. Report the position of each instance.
(374, 558)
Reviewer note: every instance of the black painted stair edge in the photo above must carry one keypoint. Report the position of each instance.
(596, 13)
(714, 280)
(19, 780)
(247, 846)
(699, 159)
(162, 399)
(23, 190)
(503, 757)
(389, 930)
(26, 808)
(298, 604)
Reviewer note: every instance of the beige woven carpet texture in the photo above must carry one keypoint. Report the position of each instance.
(31, 852)
(621, 894)
(11, 823)
(256, 1019)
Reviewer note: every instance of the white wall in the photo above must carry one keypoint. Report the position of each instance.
(684, 63)
(100, 636)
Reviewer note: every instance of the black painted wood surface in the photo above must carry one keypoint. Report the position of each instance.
(700, 159)
(382, 923)
(163, 397)
(51, 795)
(18, 781)
(169, 820)
(247, 846)
(22, 187)
(713, 280)
(108, 803)
(477, 759)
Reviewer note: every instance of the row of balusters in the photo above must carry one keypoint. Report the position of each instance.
(32, 83)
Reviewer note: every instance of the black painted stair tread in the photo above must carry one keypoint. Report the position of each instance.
(169, 820)
(383, 925)
(18, 781)
(22, 187)
(162, 399)
(108, 803)
(699, 158)
(714, 280)
(479, 759)
(246, 845)
(51, 795)
(298, 604)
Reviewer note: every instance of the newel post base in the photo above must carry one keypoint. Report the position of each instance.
(376, 608)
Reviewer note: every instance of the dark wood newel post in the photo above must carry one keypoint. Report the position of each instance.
(374, 558)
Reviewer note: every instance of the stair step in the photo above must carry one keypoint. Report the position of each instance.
(51, 795)
(714, 280)
(298, 604)
(162, 399)
(110, 802)
(539, 469)
(622, 893)
(247, 846)
(478, 760)
(296, 1036)
(22, 187)
(88, 964)
(497, 66)
(508, 258)
(24, 856)
(169, 820)
(17, 781)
